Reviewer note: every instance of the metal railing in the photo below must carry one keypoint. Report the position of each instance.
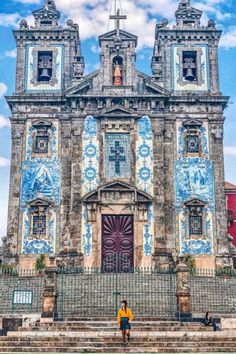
(21, 291)
(91, 292)
(213, 290)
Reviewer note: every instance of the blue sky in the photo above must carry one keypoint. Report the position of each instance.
(92, 17)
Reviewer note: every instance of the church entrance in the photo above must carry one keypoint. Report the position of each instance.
(117, 243)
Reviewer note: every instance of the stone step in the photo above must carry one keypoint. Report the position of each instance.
(134, 342)
(112, 323)
(119, 349)
(135, 334)
(77, 318)
(112, 329)
(38, 339)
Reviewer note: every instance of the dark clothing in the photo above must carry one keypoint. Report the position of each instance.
(124, 324)
(212, 322)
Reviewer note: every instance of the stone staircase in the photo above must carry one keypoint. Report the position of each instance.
(98, 335)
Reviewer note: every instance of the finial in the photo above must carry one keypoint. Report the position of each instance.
(49, 5)
(47, 16)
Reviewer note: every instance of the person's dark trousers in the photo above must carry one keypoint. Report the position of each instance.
(216, 326)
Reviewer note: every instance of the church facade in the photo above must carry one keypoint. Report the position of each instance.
(117, 168)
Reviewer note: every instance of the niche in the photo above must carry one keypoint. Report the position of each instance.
(117, 69)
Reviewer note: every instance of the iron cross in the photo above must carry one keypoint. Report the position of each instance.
(118, 17)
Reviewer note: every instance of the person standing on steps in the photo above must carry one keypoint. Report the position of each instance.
(125, 316)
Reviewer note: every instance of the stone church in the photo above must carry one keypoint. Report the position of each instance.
(117, 169)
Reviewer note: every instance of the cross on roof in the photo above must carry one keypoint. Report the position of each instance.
(118, 17)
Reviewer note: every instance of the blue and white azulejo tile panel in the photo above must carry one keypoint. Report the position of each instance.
(202, 82)
(42, 245)
(86, 233)
(31, 68)
(117, 162)
(90, 156)
(144, 155)
(194, 179)
(40, 179)
(148, 233)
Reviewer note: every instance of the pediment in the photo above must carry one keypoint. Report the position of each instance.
(114, 186)
(119, 111)
(39, 203)
(195, 202)
(41, 123)
(192, 122)
(124, 36)
(190, 12)
(117, 187)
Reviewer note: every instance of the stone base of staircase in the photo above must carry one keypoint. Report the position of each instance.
(102, 336)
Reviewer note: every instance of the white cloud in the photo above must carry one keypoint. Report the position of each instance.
(94, 49)
(3, 89)
(4, 122)
(7, 20)
(4, 162)
(93, 16)
(11, 53)
(141, 15)
(230, 150)
(228, 39)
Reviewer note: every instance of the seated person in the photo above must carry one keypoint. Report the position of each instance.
(210, 321)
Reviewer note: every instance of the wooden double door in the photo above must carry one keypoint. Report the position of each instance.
(117, 243)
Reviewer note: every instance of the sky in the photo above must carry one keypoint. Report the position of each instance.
(92, 17)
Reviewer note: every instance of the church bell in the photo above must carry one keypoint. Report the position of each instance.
(45, 66)
(45, 76)
(189, 65)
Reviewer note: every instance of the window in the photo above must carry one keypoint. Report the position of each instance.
(192, 143)
(39, 226)
(189, 65)
(41, 138)
(41, 144)
(195, 216)
(44, 66)
(192, 138)
(195, 224)
(39, 211)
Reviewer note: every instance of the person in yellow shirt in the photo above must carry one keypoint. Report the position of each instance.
(124, 318)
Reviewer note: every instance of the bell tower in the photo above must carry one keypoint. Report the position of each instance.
(117, 56)
(185, 57)
(48, 56)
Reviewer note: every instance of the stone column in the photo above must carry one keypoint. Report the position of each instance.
(183, 291)
(50, 293)
(223, 257)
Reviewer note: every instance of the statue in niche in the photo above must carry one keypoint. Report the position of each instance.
(117, 76)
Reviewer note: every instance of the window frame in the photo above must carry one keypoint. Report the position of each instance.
(41, 53)
(41, 129)
(200, 212)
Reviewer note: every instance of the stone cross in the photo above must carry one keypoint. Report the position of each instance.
(118, 17)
